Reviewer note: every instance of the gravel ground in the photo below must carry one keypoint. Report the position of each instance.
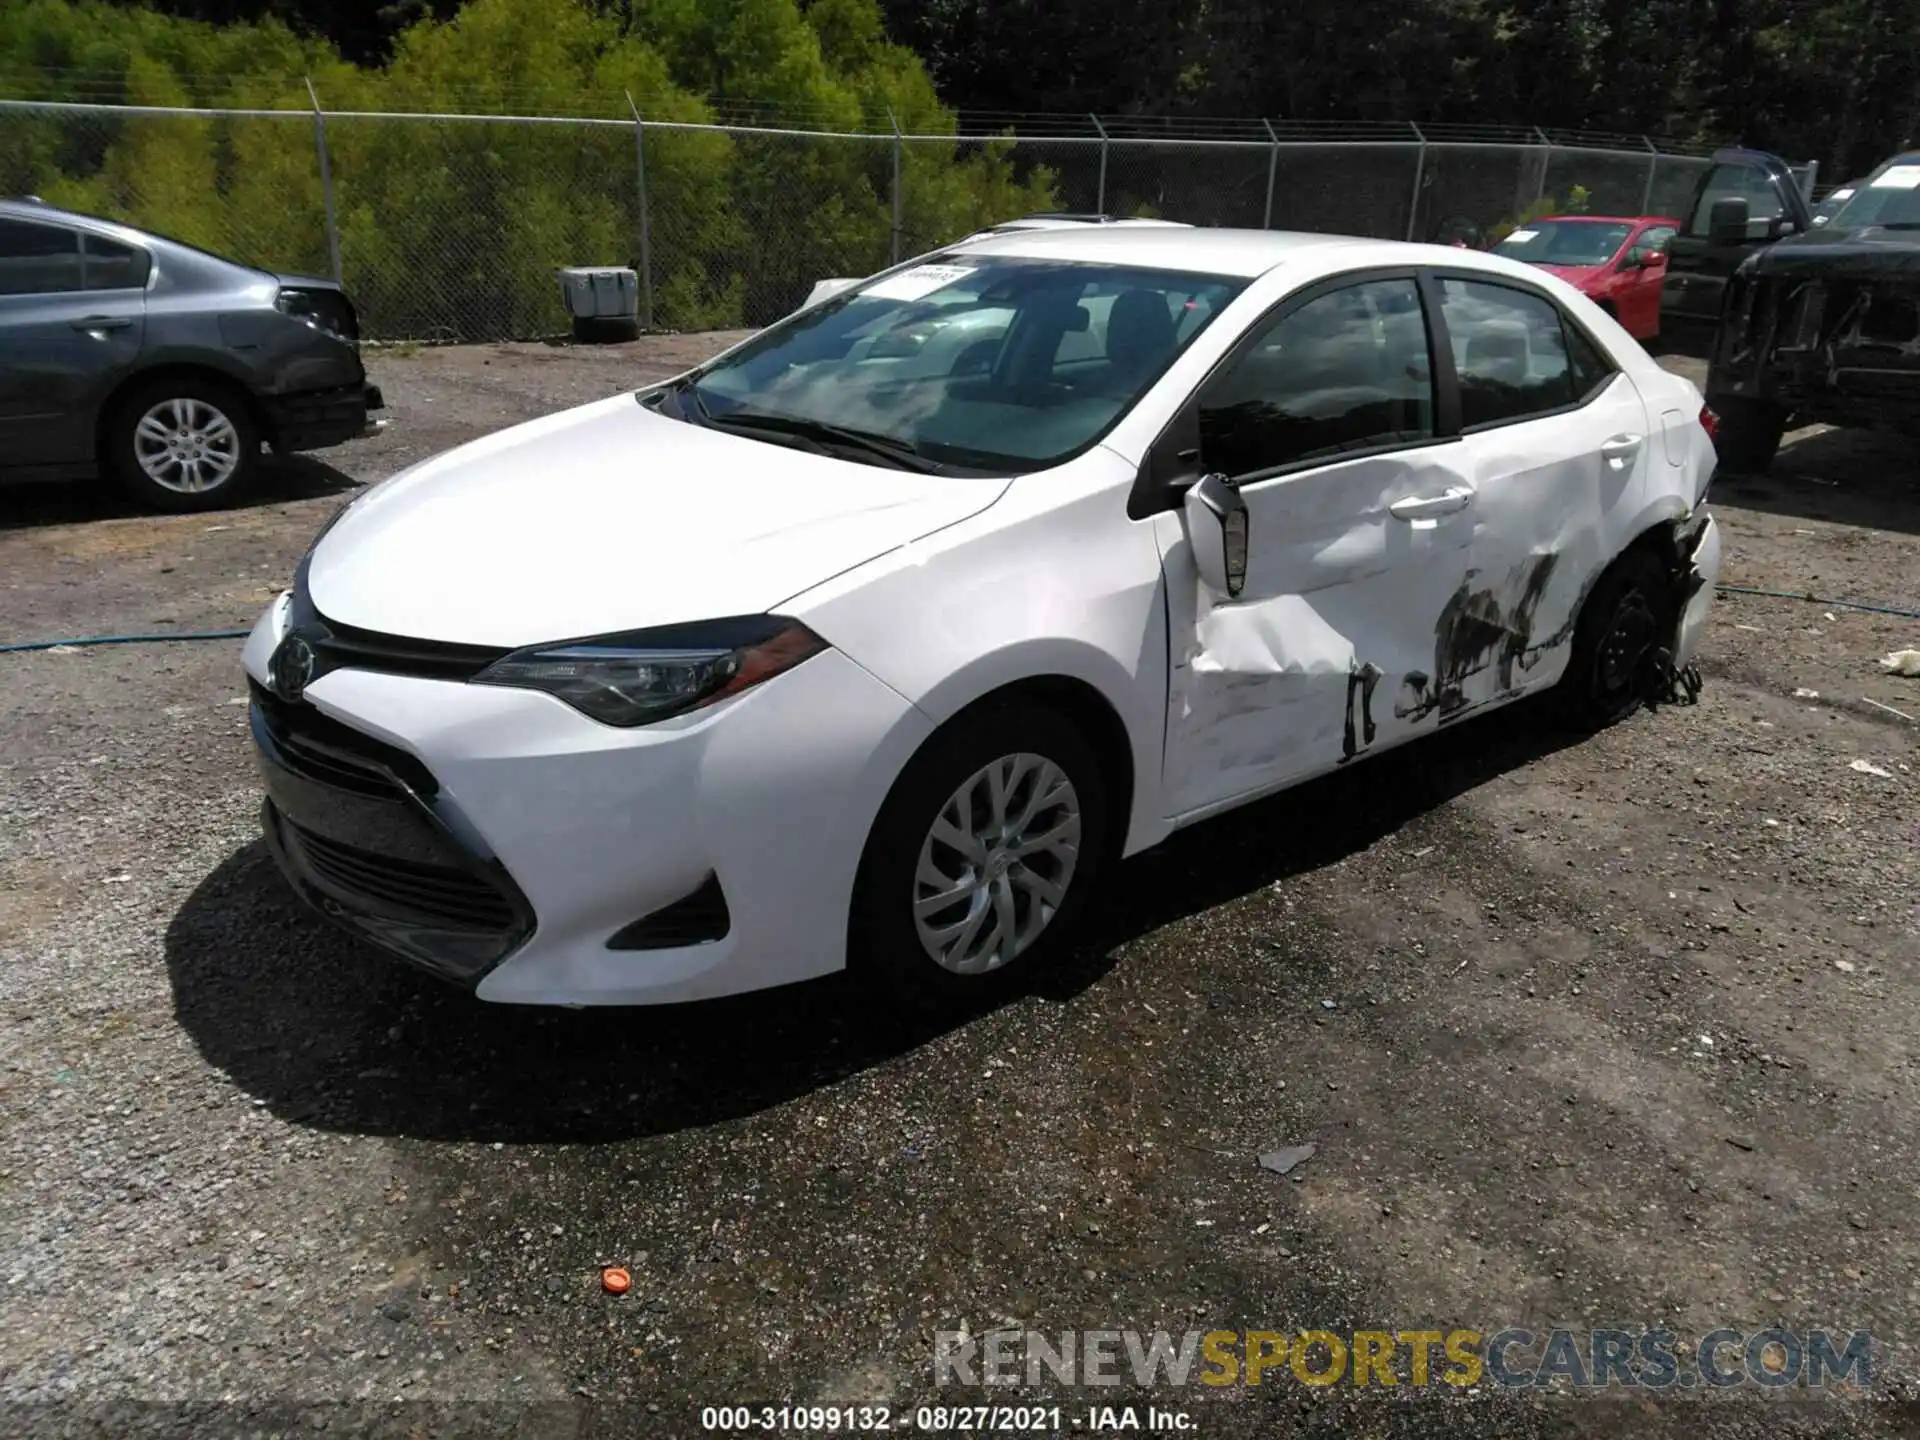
(1616, 1032)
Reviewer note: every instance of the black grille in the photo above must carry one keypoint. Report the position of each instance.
(341, 646)
(438, 894)
(694, 919)
(322, 749)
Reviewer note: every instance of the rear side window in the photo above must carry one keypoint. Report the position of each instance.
(1347, 371)
(113, 266)
(38, 259)
(1509, 351)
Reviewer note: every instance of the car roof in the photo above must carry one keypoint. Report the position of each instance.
(1240, 253)
(99, 225)
(1237, 254)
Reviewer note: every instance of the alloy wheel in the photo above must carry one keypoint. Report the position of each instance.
(996, 864)
(187, 445)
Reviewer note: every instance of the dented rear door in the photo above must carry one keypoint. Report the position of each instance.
(1559, 448)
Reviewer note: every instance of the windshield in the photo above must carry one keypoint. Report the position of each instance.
(1890, 197)
(1564, 242)
(972, 362)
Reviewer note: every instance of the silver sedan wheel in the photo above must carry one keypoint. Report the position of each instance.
(995, 867)
(187, 446)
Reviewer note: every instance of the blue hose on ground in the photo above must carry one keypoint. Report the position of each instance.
(1815, 600)
(85, 640)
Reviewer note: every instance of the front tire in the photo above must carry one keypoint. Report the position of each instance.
(1749, 434)
(981, 860)
(182, 443)
(1624, 624)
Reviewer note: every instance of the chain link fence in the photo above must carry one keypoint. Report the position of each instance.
(451, 227)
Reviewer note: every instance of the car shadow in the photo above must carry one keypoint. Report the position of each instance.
(1845, 477)
(27, 504)
(330, 1033)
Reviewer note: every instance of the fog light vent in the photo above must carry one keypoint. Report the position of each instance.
(699, 918)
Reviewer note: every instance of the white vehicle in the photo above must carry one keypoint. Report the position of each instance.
(823, 289)
(880, 638)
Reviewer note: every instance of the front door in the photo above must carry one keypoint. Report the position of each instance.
(1644, 269)
(1698, 266)
(1361, 523)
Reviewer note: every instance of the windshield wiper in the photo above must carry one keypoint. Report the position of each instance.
(823, 436)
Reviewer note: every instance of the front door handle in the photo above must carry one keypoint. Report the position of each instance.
(103, 322)
(1618, 450)
(1426, 507)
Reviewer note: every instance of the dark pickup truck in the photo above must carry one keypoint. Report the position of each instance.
(1822, 327)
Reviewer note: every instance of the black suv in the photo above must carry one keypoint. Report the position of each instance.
(162, 364)
(1824, 326)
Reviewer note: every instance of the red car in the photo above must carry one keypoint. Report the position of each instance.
(1619, 261)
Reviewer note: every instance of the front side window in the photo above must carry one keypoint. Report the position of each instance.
(1345, 372)
(1508, 350)
(38, 259)
(1741, 182)
(1565, 242)
(988, 363)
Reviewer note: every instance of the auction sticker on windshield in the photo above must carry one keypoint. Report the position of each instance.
(1898, 177)
(1520, 237)
(920, 280)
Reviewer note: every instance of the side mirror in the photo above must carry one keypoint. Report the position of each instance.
(1217, 530)
(1727, 221)
(1656, 259)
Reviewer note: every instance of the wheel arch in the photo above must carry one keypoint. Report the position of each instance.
(204, 370)
(1094, 688)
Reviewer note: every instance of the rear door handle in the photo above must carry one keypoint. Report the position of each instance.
(1618, 450)
(1426, 507)
(103, 322)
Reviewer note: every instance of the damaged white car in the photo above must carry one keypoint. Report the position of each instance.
(880, 638)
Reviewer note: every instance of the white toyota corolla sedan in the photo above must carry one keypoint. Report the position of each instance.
(879, 639)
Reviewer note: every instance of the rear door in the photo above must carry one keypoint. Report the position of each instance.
(1558, 447)
(1698, 266)
(72, 319)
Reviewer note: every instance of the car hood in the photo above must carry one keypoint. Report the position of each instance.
(610, 517)
(1872, 250)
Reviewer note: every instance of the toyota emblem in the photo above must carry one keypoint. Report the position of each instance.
(292, 668)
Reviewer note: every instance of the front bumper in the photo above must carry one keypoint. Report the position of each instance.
(314, 419)
(590, 828)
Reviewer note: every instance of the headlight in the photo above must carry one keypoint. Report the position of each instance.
(647, 675)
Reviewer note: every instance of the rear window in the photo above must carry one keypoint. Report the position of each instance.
(113, 266)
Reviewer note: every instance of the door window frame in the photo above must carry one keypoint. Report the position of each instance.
(1172, 462)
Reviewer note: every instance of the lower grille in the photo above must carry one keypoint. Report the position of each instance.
(435, 894)
(695, 919)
